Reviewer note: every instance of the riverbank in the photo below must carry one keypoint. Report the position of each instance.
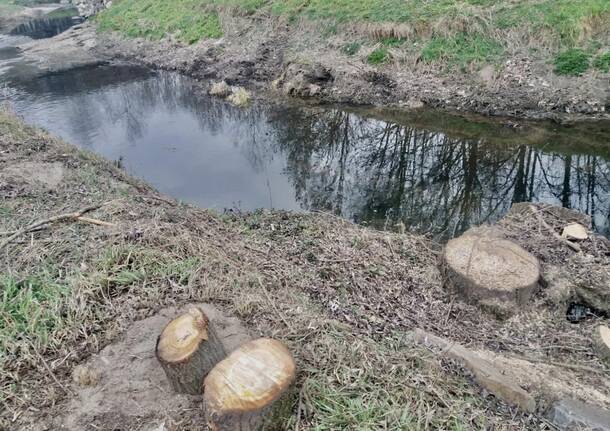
(344, 298)
(530, 60)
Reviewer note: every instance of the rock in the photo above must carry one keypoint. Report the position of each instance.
(487, 74)
(569, 414)
(83, 375)
(486, 269)
(414, 104)
(575, 232)
(601, 339)
(500, 382)
(220, 89)
(591, 279)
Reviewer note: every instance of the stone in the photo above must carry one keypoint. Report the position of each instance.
(601, 339)
(568, 414)
(487, 74)
(575, 232)
(500, 382)
(493, 272)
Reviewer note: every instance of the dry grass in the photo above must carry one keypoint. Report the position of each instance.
(339, 295)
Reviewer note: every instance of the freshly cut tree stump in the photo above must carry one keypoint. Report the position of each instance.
(486, 269)
(188, 349)
(242, 392)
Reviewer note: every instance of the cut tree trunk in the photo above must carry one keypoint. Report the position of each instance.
(244, 392)
(491, 271)
(187, 349)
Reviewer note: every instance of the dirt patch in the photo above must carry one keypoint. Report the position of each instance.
(132, 392)
(47, 174)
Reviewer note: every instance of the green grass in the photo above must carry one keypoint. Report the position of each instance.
(573, 62)
(462, 49)
(457, 32)
(378, 56)
(187, 20)
(602, 62)
(30, 308)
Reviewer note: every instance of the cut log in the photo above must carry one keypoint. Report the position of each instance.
(187, 349)
(244, 392)
(486, 269)
(601, 338)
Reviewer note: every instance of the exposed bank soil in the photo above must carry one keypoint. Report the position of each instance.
(270, 55)
(342, 297)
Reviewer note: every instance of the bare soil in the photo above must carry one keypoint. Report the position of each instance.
(281, 60)
(341, 296)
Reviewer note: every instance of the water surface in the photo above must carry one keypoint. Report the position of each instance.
(431, 172)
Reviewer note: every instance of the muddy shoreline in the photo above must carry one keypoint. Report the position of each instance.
(269, 66)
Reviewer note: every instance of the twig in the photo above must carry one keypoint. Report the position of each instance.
(96, 222)
(274, 306)
(55, 219)
(299, 408)
(573, 246)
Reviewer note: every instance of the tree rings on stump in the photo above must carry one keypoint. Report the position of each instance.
(242, 391)
(487, 269)
(188, 349)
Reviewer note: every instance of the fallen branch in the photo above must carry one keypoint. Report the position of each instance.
(96, 222)
(50, 220)
(558, 237)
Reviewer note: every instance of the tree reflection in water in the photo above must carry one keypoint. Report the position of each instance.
(385, 173)
(372, 171)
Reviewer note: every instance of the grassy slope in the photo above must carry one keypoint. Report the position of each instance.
(457, 32)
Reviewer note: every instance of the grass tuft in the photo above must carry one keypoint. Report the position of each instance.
(379, 56)
(573, 62)
(602, 62)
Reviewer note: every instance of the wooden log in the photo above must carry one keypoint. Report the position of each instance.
(187, 349)
(244, 391)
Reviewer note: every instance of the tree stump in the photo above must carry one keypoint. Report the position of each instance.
(486, 269)
(243, 392)
(187, 349)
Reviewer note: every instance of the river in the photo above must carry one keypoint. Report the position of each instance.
(427, 171)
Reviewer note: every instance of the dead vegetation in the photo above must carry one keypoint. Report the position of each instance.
(340, 296)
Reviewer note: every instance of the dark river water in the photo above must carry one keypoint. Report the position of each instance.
(431, 172)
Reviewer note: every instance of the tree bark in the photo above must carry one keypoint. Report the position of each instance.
(188, 349)
(245, 391)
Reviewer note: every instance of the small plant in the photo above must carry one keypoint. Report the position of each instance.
(573, 62)
(392, 41)
(602, 62)
(351, 48)
(379, 56)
